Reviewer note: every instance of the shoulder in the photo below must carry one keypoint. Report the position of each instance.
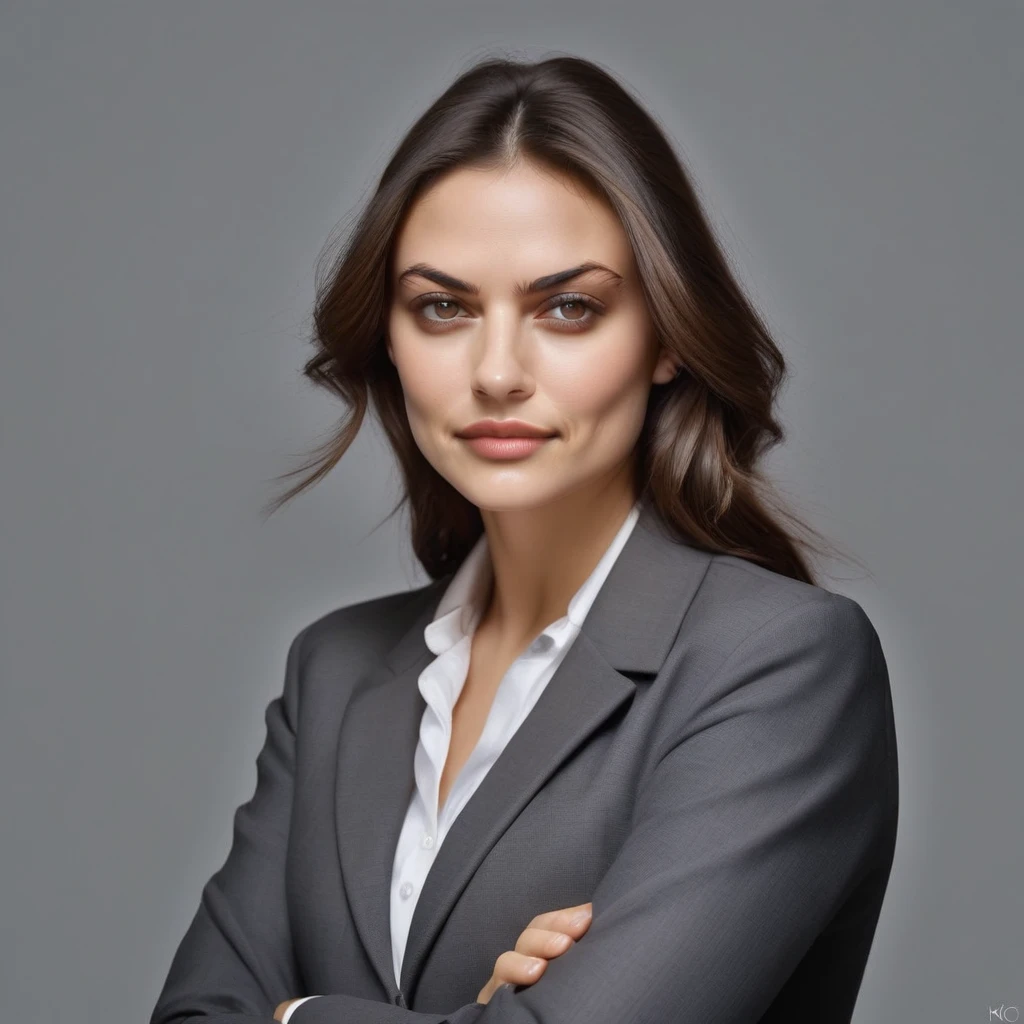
(742, 604)
(366, 629)
(787, 652)
(799, 665)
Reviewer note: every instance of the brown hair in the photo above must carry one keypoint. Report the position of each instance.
(705, 431)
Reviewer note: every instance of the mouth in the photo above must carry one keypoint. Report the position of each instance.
(504, 428)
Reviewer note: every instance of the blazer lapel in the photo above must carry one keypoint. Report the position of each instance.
(629, 629)
(375, 781)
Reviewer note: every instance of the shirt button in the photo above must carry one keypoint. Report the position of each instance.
(428, 840)
(406, 891)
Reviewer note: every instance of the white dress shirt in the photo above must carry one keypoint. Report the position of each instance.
(449, 636)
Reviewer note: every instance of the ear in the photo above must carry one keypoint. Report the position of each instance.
(391, 354)
(667, 367)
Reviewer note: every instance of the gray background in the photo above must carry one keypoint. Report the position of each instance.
(168, 177)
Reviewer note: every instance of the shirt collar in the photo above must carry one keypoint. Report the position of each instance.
(461, 607)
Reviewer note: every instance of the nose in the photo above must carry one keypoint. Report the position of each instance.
(499, 369)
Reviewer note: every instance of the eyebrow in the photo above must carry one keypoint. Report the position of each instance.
(541, 284)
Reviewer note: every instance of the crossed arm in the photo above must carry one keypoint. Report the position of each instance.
(760, 818)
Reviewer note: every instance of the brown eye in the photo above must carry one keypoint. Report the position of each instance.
(577, 307)
(449, 307)
(582, 311)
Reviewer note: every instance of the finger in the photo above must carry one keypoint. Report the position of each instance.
(517, 968)
(567, 919)
(543, 942)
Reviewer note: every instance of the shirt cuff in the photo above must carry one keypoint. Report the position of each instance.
(291, 1009)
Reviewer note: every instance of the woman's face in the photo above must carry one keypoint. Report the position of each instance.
(473, 338)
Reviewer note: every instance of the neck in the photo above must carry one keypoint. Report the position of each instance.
(541, 556)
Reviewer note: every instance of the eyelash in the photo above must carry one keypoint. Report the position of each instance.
(593, 311)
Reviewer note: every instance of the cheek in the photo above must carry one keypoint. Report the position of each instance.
(429, 382)
(609, 384)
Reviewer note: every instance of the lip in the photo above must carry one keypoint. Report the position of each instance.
(503, 448)
(504, 429)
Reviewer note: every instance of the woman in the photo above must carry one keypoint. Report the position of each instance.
(622, 693)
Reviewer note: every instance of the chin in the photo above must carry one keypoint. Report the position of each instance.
(512, 496)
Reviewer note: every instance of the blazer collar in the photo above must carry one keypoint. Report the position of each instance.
(629, 629)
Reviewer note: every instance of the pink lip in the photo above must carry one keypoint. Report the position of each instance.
(505, 447)
(504, 428)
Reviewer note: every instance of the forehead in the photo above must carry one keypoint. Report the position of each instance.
(525, 220)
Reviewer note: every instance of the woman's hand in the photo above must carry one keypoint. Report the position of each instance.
(545, 937)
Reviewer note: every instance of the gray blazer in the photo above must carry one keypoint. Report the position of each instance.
(713, 766)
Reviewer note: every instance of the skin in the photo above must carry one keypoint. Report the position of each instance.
(549, 516)
(547, 936)
(463, 356)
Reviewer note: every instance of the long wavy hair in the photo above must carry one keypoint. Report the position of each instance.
(704, 433)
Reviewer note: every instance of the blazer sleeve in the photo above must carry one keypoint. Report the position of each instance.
(236, 957)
